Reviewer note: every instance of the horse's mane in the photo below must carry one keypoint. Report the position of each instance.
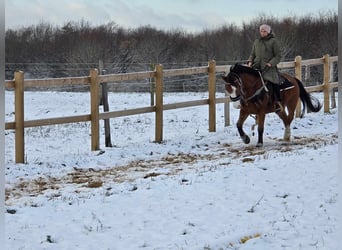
(240, 69)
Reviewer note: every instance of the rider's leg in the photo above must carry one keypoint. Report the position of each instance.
(277, 99)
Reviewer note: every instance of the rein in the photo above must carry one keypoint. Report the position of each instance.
(256, 93)
(263, 82)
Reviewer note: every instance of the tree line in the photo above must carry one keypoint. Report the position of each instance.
(46, 50)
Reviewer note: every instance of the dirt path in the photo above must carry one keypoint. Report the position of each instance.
(172, 164)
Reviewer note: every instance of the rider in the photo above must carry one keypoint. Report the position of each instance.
(265, 56)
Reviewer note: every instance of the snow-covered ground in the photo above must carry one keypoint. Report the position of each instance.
(196, 190)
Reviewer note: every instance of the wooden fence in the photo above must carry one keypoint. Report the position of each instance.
(95, 79)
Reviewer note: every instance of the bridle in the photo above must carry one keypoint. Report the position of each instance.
(242, 96)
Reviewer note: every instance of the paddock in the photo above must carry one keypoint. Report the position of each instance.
(94, 80)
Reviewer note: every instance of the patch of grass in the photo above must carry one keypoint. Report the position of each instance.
(244, 239)
(247, 159)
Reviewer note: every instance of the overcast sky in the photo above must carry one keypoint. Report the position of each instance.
(189, 15)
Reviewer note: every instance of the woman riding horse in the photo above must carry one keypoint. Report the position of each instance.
(265, 56)
(246, 87)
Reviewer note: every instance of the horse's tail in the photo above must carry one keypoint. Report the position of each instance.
(309, 101)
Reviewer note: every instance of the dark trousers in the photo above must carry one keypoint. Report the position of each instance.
(276, 90)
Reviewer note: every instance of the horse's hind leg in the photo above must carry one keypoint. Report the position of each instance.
(287, 133)
(287, 119)
(242, 118)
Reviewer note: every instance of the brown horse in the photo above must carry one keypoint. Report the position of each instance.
(249, 92)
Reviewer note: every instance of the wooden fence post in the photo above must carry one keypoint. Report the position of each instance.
(212, 98)
(19, 117)
(298, 74)
(326, 80)
(94, 112)
(152, 85)
(159, 103)
(332, 90)
(226, 110)
(100, 92)
(104, 98)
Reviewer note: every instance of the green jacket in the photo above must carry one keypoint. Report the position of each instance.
(266, 50)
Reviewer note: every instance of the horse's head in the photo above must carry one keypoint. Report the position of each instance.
(241, 83)
(233, 86)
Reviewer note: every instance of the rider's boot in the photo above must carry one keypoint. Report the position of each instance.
(277, 100)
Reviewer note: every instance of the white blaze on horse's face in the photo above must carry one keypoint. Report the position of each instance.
(231, 91)
(236, 104)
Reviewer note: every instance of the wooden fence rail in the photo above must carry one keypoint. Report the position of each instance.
(95, 79)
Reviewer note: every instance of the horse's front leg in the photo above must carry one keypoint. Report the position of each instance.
(260, 122)
(242, 118)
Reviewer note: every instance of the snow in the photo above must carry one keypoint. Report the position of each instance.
(196, 190)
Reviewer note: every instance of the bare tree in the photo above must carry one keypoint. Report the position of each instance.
(45, 50)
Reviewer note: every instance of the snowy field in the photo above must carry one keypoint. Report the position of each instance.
(196, 190)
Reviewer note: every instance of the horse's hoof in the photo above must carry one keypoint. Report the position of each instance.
(246, 139)
(259, 145)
